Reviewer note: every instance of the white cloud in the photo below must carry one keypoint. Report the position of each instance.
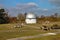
(31, 7)
(45, 9)
(26, 7)
(31, 3)
(1, 6)
(55, 2)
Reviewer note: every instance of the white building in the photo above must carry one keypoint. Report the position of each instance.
(30, 18)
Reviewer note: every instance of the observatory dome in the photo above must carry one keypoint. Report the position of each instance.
(30, 15)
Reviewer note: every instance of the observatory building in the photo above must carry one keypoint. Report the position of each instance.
(30, 18)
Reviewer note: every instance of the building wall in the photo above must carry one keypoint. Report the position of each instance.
(30, 21)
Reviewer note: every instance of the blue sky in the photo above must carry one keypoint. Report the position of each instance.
(12, 3)
(42, 7)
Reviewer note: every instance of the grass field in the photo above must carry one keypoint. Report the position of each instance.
(7, 31)
(56, 37)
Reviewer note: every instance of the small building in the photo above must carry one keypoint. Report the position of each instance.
(30, 18)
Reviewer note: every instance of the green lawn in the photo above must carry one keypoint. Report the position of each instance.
(7, 31)
(56, 37)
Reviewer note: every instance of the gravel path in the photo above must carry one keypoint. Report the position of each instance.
(35, 36)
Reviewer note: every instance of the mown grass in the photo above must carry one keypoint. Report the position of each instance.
(7, 31)
(8, 35)
(56, 37)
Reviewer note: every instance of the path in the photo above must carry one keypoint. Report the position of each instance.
(36, 36)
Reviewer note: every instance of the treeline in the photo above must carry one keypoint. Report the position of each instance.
(53, 18)
(5, 18)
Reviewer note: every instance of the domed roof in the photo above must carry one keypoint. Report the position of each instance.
(30, 15)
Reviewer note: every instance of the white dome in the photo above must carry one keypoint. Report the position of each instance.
(30, 15)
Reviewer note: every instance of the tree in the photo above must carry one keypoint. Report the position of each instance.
(3, 16)
(21, 17)
(56, 15)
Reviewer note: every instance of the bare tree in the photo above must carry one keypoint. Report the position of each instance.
(21, 17)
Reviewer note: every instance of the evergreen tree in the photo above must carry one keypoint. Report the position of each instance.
(3, 16)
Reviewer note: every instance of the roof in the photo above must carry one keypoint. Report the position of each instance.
(30, 15)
